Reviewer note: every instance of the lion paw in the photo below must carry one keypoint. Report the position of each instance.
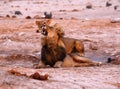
(39, 65)
(58, 64)
(99, 63)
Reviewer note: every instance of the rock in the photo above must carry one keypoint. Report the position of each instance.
(116, 7)
(62, 10)
(75, 10)
(93, 46)
(1, 16)
(89, 6)
(28, 17)
(114, 60)
(13, 16)
(8, 16)
(18, 13)
(115, 20)
(48, 15)
(37, 17)
(109, 60)
(37, 76)
(21, 34)
(108, 4)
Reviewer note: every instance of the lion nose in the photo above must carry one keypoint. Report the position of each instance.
(37, 31)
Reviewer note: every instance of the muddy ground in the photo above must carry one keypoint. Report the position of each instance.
(20, 45)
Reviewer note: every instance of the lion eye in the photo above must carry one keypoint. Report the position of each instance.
(41, 26)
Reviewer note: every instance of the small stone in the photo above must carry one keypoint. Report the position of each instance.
(93, 46)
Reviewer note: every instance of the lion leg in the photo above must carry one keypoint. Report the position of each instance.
(68, 62)
(79, 47)
(82, 61)
(79, 62)
(58, 64)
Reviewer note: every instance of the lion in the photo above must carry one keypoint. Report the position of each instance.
(71, 45)
(53, 52)
(53, 49)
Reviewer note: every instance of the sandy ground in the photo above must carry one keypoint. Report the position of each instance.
(20, 44)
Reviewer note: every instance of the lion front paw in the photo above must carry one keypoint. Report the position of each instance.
(39, 65)
(58, 64)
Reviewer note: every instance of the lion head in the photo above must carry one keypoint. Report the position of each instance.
(42, 27)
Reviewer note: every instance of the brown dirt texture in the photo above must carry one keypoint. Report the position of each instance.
(98, 27)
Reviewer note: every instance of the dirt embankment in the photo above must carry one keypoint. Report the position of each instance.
(20, 44)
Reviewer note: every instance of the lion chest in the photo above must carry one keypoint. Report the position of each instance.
(50, 56)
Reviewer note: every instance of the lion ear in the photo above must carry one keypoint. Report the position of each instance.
(58, 29)
(48, 21)
(37, 22)
(60, 32)
(56, 25)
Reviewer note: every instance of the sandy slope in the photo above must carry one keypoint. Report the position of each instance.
(20, 44)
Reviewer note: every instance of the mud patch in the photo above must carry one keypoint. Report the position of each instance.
(19, 60)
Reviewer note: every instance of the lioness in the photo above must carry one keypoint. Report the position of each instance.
(53, 52)
(71, 45)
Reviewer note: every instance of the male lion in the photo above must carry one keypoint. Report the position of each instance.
(53, 52)
(53, 49)
(71, 45)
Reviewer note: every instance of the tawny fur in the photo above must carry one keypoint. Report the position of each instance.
(73, 51)
(71, 45)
